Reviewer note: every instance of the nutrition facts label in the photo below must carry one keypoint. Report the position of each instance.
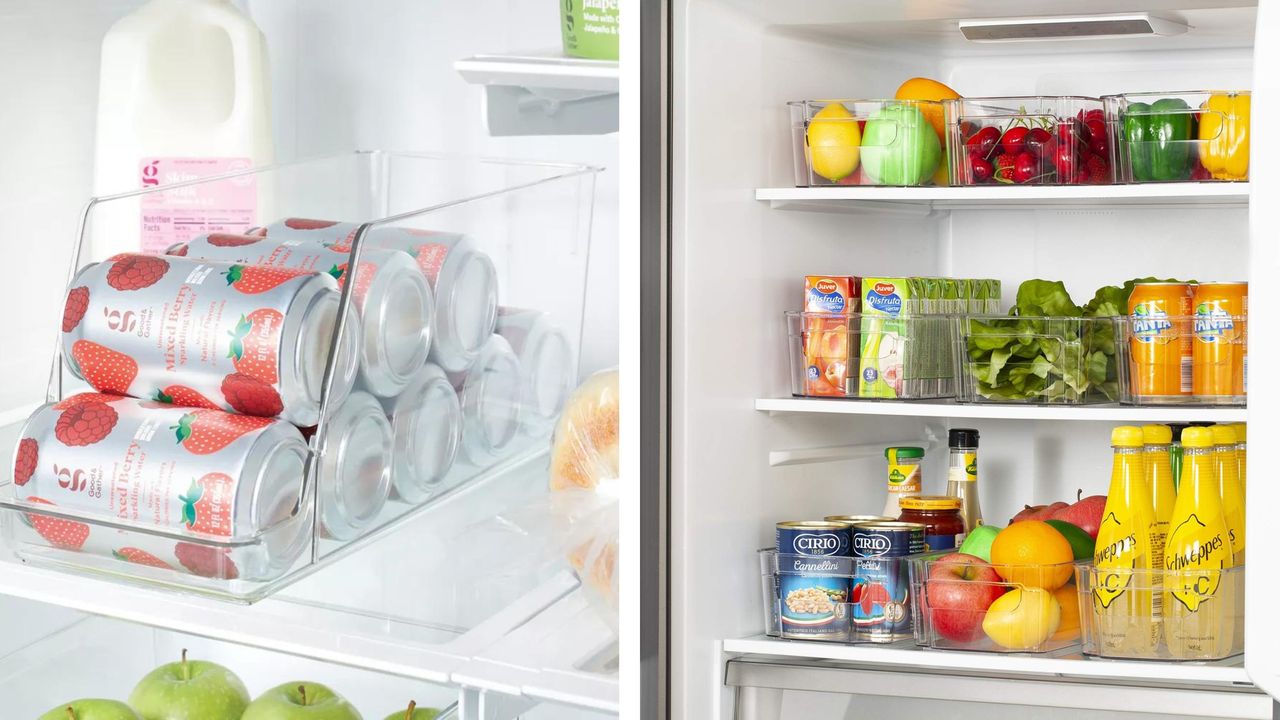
(177, 215)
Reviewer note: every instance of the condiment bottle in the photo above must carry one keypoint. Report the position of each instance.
(904, 476)
(962, 475)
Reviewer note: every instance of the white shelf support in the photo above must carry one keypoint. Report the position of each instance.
(545, 93)
(942, 409)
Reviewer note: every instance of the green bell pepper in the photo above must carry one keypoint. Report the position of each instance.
(1158, 139)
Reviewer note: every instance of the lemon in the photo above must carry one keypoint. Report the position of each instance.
(1022, 618)
(833, 139)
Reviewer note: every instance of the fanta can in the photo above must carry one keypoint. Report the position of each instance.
(1220, 362)
(1160, 340)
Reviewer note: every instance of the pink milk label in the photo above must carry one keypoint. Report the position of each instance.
(177, 215)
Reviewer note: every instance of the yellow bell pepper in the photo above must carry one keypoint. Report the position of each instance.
(1224, 135)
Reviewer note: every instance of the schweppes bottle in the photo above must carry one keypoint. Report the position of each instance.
(1199, 597)
(1125, 604)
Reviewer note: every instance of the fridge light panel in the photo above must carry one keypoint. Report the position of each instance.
(1069, 28)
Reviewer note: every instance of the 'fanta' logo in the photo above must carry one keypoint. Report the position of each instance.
(884, 288)
(825, 286)
(1149, 322)
(1211, 323)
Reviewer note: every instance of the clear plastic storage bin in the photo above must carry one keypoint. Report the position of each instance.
(1188, 360)
(868, 142)
(1031, 140)
(1199, 135)
(1006, 608)
(1042, 360)
(1202, 615)
(240, 522)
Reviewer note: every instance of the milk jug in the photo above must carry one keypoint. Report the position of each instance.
(184, 93)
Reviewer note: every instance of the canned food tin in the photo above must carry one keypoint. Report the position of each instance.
(813, 579)
(195, 470)
(426, 421)
(355, 466)
(196, 333)
(1160, 339)
(879, 597)
(491, 395)
(1219, 358)
(396, 305)
(547, 365)
(855, 519)
(463, 278)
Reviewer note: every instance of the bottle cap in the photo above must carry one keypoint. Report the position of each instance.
(1240, 431)
(894, 454)
(1157, 434)
(1223, 435)
(1197, 437)
(929, 502)
(1126, 436)
(962, 437)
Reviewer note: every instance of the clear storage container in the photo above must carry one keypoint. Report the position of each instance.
(1180, 136)
(1030, 140)
(182, 545)
(1005, 608)
(1185, 360)
(1202, 616)
(1042, 360)
(868, 142)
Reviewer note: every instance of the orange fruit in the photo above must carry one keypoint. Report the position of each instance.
(1032, 554)
(1069, 627)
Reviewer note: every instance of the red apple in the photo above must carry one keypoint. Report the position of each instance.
(1085, 513)
(958, 592)
(1037, 512)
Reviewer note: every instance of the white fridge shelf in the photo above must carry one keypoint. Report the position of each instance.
(545, 93)
(1100, 413)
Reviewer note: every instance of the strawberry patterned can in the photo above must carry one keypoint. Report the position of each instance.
(463, 278)
(355, 466)
(251, 340)
(426, 421)
(200, 471)
(396, 305)
(547, 361)
(491, 394)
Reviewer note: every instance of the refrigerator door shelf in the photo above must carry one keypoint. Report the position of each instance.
(545, 93)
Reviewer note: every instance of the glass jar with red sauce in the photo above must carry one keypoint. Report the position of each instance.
(940, 515)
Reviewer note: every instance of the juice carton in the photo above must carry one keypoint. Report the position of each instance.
(886, 303)
(830, 339)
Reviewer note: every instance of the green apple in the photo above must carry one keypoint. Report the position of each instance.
(978, 542)
(413, 712)
(91, 710)
(300, 701)
(190, 690)
(900, 146)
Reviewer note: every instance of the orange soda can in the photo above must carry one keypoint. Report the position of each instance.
(830, 334)
(1160, 340)
(1219, 354)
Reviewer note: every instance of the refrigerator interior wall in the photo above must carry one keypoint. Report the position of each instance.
(736, 64)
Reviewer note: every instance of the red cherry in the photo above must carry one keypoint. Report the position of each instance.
(1036, 140)
(980, 170)
(1097, 136)
(1013, 140)
(1065, 161)
(1094, 114)
(981, 142)
(1024, 167)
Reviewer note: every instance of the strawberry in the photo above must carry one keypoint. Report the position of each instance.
(364, 278)
(308, 224)
(85, 423)
(255, 344)
(229, 240)
(25, 461)
(430, 258)
(1099, 171)
(254, 279)
(183, 396)
(343, 245)
(256, 232)
(73, 311)
(134, 272)
(202, 432)
(140, 557)
(65, 534)
(105, 369)
(179, 250)
(1004, 169)
(208, 503)
(250, 396)
(206, 561)
(72, 401)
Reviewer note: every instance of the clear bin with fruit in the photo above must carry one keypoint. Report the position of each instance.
(1186, 136)
(1031, 140)
(870, 357)
(868, 142)
(226, 414)
(1039, 360)
(962, 602)
(1185, 360)
(1201, 613)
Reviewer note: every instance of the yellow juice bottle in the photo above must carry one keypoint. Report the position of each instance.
(1227, 466)
(1155, 453)
(1241, 431)
(1199, 598)
(1126, 610)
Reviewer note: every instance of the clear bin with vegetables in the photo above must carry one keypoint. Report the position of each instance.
(868, 142)
(1031, 140)
(1191, 136)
